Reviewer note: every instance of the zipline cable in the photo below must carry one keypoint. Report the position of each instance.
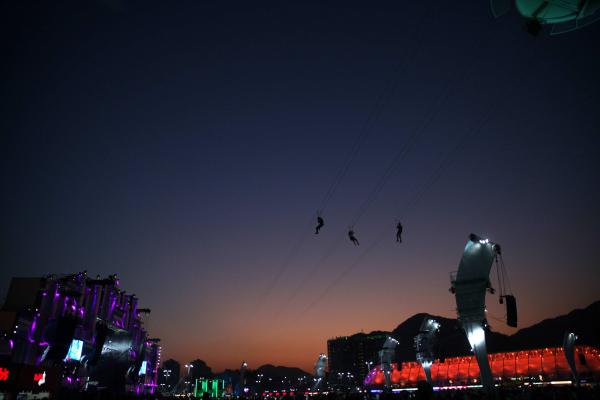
(432, 179)
(310, 274)
(284, 265)
(366, 128)
(377, 109)
(413, 138)
(389, 172)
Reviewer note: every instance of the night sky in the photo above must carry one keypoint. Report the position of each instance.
(187, 145)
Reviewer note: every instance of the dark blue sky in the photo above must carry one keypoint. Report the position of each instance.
(185, 147)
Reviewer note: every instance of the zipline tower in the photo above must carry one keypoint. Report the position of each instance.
(386, 357)
(469, 285)
(425, 342)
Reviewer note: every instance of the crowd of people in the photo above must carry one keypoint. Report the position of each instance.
(516, 393)
(546, 392)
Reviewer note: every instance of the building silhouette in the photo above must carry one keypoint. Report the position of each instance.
(351, 357)
(169, 374)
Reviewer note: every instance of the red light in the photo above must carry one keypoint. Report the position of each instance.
(4, 374)
(504, 366)
(37, 377)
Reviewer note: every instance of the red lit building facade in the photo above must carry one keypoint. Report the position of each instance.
(542, 365)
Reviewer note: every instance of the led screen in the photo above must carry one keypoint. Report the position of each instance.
(75, 350)
(143, 368)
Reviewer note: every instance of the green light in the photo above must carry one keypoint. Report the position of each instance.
(216, 389)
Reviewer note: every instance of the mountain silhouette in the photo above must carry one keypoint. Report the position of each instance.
(279, 372)
(547, 333)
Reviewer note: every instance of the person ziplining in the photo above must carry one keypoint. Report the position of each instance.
(353, 238)
(399, 233)
(320, 224)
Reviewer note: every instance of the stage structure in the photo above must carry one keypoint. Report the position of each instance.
(386, 357)
(469, 284)
(425, 343)
(79, 333)
(320, 366)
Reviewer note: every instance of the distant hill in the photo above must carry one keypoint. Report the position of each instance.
(279, 372)
(584, 322)
(453, 342)
(547, 333)
(356, 335)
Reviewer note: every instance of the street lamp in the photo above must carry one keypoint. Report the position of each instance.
(189, 366)
(167, 376)
(368, 367)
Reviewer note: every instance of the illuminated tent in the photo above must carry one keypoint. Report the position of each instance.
(539, 366)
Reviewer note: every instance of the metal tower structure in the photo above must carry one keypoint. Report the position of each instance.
(469, 286)
(569, 349)
(320, 366)
(425, 342)
(386, 357)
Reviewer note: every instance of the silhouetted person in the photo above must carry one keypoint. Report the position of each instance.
(399, 233)
(352, 237)
(424, 391)
(320, 224)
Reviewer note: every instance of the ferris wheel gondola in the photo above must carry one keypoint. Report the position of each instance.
(561, 15)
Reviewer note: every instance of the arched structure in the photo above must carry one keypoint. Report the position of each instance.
(425, 342)
(386, 357)
(320, 367)
(569, 349)
(469, 286)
